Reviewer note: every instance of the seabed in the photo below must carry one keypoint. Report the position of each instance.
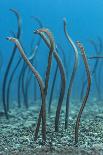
(17, 133)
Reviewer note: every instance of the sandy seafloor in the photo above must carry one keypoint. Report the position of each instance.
(17, 133)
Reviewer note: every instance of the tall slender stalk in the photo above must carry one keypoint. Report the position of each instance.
(62, 90)
(82, 50)
(10, 63)
(35, 85)
(52, 45)
(19, 86)
(40, 82)
(100, 68)
(34, 50)
(1, 60)
(94, 71)
(10, 81)
(64, 59)
(52, 89)
(69, 91)
(25, 84)
(63, 82)
(96, 50)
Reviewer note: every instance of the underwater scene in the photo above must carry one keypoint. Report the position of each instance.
(51, 72)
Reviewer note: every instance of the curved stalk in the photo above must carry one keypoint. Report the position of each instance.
(69, 91)
(1, 60)
(63, 83)
(96, 50)
(52, 89)
(11, 78)
(34, 51)
(51, 40)
(94, 71)
(10, 63)
(82, 50)
(40, 82)
(64, 59)
(10, 81)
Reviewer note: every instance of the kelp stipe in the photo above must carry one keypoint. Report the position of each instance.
(82, 50)
(73, 73)
(40, 82)
(10, 63)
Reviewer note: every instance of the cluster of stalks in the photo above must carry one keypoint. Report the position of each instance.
(27, 72)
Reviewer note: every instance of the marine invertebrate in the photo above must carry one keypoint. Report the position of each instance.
(10, 63)
(40, 82)
(82, 50)
(73, 72)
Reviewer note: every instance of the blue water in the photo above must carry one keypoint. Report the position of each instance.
(85, 21)
(85, 18)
